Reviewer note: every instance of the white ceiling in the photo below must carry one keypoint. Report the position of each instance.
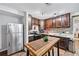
(48, 10)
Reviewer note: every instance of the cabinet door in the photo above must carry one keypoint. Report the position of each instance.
(48, 23)
(53, 23)
(58, 22)
(64, 43)
(65, 20)
(41, 24)
(35, 21)
(68, 20)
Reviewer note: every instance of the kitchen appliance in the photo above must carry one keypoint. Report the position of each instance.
(14, 37)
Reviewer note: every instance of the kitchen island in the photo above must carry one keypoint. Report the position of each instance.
(40, 47)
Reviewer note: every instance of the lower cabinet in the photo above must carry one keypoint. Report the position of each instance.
(64, 43)
(67, 44)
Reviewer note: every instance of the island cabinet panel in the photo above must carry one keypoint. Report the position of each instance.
(48, 23)
(58, 22)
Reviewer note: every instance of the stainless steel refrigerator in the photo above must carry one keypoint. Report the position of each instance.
(14, 37)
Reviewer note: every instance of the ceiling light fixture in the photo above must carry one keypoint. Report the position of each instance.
(48, 4)
(45, 7)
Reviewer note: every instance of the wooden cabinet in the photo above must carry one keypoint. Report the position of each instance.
(58, 22)
(62, 21)
(53, 23)
(64, 42)
(41, 24)
(65, 20)
(48, 23)
(35, 21)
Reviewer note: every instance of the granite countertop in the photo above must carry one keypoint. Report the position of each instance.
(30, 35)
(68, 35)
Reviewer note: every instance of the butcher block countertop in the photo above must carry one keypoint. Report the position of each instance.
(39, 47)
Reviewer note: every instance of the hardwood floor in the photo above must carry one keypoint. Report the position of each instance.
(62, 53)
(19, 54)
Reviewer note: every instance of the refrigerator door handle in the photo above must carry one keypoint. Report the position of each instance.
(9, 43)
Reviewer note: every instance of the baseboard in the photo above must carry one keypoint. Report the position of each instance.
(17, 52)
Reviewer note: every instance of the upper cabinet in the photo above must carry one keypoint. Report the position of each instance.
(58, 22)
(65, 20)
(41, 24)
(35, 21)
(53, 23)
(48, 23)
(62, 21)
